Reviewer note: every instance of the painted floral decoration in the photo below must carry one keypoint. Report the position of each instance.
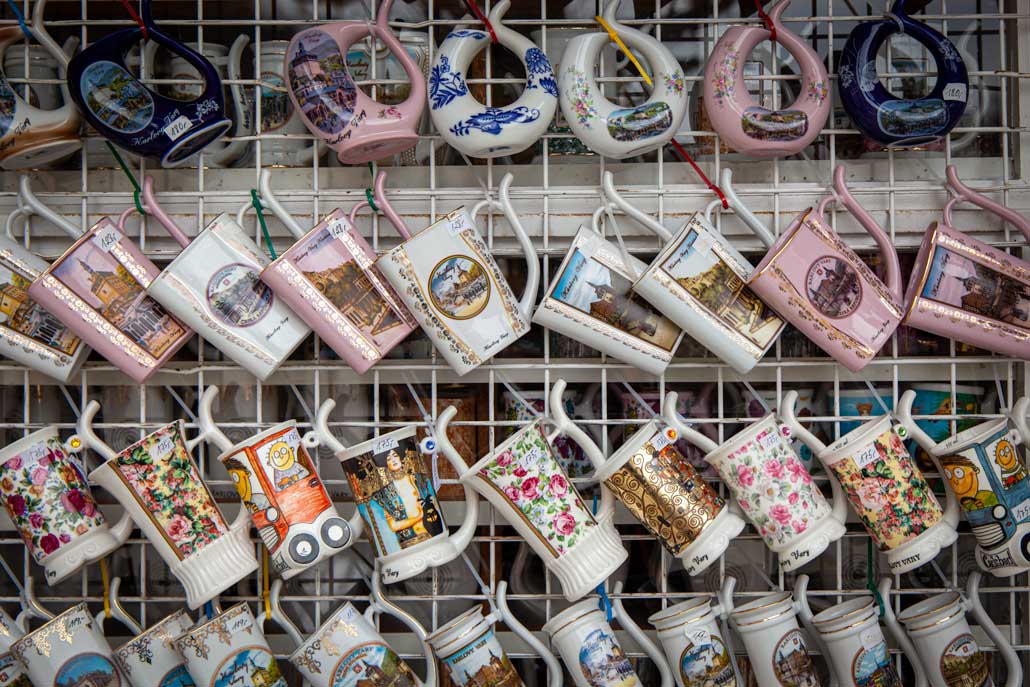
(726, 75)
(817, 91)
(846, 76)
(580, 97)
(539, 73)
(674, 82)
(445, 85)
(492, 120)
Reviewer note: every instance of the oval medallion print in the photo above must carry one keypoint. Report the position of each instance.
(7, 106)
(833, 287)
(371, 665)
(275, 105)
(706, 663)
(249, 667)
(320, 81)
(177, 677)
(874, 668)
(237, 296)
(93, 670)
(963, 664)
(115, 97)
(603, 662)
(791, 663)
(459, 287)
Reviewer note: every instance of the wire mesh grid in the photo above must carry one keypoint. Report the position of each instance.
(555, 191)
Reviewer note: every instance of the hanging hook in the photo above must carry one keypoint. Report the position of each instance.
(113, 604)
(274, 612)
(30, 606)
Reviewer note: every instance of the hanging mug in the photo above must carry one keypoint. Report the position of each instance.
(66, 648)
(160, 486)
(98, 288)
(150, 660)
(213, 286)
(334, 109)
(885, 487)
(591, 300)
(229, 649)
(394, 492)
(742, 123)
(524, 481)
(12, 671)
(818, 284)
(944, 642)
(772, 486)
(987, 478)
(48, 499)
(279, 118)
(698, 280)
(277, 483)
(329, 277)
(969, 291)
(610, 130)
(466, 124)
(879, 114)
(452, 285)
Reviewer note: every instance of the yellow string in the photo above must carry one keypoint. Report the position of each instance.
(622, 46)
(266, 592)
(107, 588)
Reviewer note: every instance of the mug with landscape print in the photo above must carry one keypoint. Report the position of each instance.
(48, 498)
(771, 485)
(524, 481)
(279, 117)
(160, 486)
(394, 492)
(885, 487)
(150, 660)
(229, 649)
(776, 648)
(67, 648)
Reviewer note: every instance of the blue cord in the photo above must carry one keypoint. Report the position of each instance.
(21, 20)
(209, 610)
(604, 603)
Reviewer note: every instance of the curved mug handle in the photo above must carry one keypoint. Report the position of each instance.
(903, 414)
(150, 204)
(652, 650)
(749, 218)
(900, 636)
(378, 601)
(805, 613)
(1013, 666)
(243, 122)
(383, 203)
(118, 611)
(963, 192)
(269, 199)
(30, 606)
(839, 504)
(278, 615)
(463, 536)
(88, 439)
(609, 191)
(31, 205)
(212, 82)
(555, 676)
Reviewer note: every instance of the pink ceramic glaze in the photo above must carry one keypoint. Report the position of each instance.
(965, 290)
(332, 106)
(742, 123)
(817, 283)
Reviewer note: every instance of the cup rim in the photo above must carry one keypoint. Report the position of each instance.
(969, 436)
(938, 603)
(19, 445)
(763, 603)
(160, 623)
(24, 639)
(869, 615)
(578, 610)
(118, 454)
(235, 608)
(451, 624)
(740, 438)
(417, 234)
(699, 605)
(626, 451)
(263, 434)
(845, 609)
(363, 448)
(859, 436)
(504, 445)
(303, 646)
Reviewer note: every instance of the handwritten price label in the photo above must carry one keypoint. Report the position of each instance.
(178, 127)
(956, 91)
(871, 637)
(337, 229)
(768, 440)
(700, 637)
(106, 238)
(866, 456)
(384, 444)
(660, 440)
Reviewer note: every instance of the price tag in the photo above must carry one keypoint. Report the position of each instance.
(704, 241)
(384, 444)
(106, 238)
(178, 127)
(337, 228)
(956, 91)
(768, 440)
(866, 456)
(660, 440)
(871, 637)
(457, 224)
(1022, 511)
(699, 638)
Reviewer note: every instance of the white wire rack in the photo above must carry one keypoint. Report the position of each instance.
(556, 190)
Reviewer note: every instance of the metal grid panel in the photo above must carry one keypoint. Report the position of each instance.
(556, 190)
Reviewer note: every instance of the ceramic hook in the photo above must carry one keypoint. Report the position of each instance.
(278, 615)
(118, 611)
(30, 606)
(208, 427)
(34, 205)
(555, 675)
(652, 650)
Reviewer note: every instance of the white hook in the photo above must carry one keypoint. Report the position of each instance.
(36, 206)
(321, 427)
(118, 611)
(208, 429)
(30, 606)
(278, 616)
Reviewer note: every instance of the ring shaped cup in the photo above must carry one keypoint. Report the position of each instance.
(775, 645)
(212, 285)
(794, 519)
(662, 490)
(158, 483)
(31, 136)
(150, 660)
(523, 479)
(698, 280)
(217, 652)
(742, 123)
(818, 284)
(127, 113)
(605, 127)
(472, 128)
(67, 646)
(332, 106)
(330, 280)
(452, 285)
(878, 113)
(49, 500)
(394, 492)
(966, 290)
(885, 488)
(987, 479)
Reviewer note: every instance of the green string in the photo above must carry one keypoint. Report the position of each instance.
(256, 202)
(870, 578)
(368, 190)
(132, 179)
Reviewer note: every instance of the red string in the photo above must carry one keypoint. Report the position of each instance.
(708, 182)
(481, 17)
(767, 20)
(135, 16)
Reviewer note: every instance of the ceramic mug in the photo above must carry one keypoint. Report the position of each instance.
(772, 487)
(66, 648)
(452, 285)
(394, 492)
(862, 404)
(466, 124)
(48, 499)
(150, 660)
(279, 118)
(591, 300)
(229, 649)
(944, 642)
(160, 486)
(212, 285)
(524, 481)
(777, 649)
(885, 487)
(818, 284)
(523, 406)
(276, 479)
(12, 671)
(936, 399)
(987, 477)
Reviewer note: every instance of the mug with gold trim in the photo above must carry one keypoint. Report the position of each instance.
(66, 648)
(229, 649)
(150, 660)
(776, 647)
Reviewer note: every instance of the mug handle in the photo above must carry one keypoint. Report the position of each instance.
(463, 537)
(656, 655)
(212, 82)
(414, 104)
(528, 299)
(243, 119)
(269, 199)
(384, 205)
(965, 193)
(151, 205)
(804, 611)
(1014, 668)
(749, 218)
(1018, 417)
(118, 611)
(563, 425)
(30, 606)
(278, 616)
(208, 428)
(657, 228)
(839, 505)
(88, 439)
(34, 205)
(903, 413)
(46, 40)
(380, 602)
(899, 634)
(555, 675)
(675, 420)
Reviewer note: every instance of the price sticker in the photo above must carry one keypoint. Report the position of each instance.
(956, 91)
(871, 637)
(106, 238)
(457, 223)
(866, 456)
(662, 439)
(337, 228)
(699, 638)
(384, 444)
(1022, 511)
(768, 440)
(178, 127)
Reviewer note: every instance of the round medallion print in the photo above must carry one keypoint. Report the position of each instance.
(88, 669)
(237, 296)
(249, 667)
(833, 287)
(791, 663)
(459, 287)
